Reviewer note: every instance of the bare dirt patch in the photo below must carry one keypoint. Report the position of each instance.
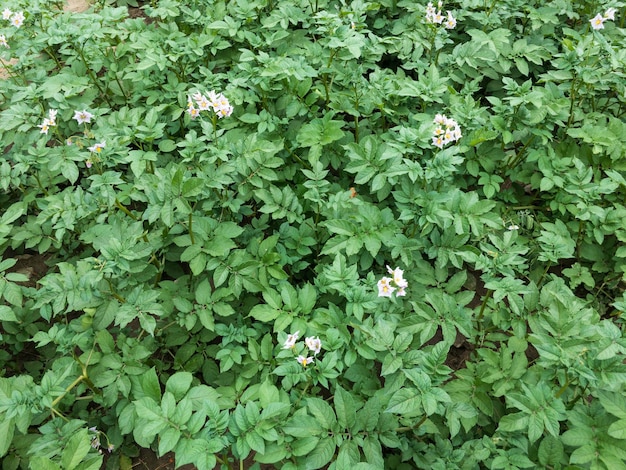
(4, 73)
(76, 6)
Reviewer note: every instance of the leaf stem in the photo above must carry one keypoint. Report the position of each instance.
(411, 428)
(488, 295)
(92, 76)
(119, 205)
(191, 237)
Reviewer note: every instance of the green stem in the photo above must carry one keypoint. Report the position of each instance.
(488, 295)
(493, 4)
(572, 94)
(563, 388)
(326, 89)
(415, 426)
(302, 162)
(116, 296)
(54, 57)
(154, 260)
(92, 76)
(45, 192)
(214, 121)
(126, 97)
(13, 75)
(545, 271)
(124, 210)
(59, 414)
(191, 237)
(519, 208)
(306, 388)
(520, 154)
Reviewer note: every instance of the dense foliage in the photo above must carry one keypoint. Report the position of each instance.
(313, 234)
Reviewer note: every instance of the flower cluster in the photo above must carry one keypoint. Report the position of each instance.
(312, 342)
(385, 287)
(217, 102)
(48, 122)
(95, 440)
(597, 22)
(16, 19)
(85, 117)
(434, 16)
(97, 148)
(447, 131)
(82, 117)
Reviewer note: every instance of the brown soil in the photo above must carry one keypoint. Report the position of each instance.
(4, 73)
(76, 6)
(148, 460)
(31, 265)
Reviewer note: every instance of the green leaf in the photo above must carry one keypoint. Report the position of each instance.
(13, 213)
(302, 426)
(345, 408)
(126, 418)
(341, 227)
(320, 131)
(42, 463)
(391, 363)
(321, 455)
(199, 452)
(268, 392)
(264, 313)
(577, 436)
(149, 421)
(614, 403)
(406, 401)
(91, 462)
(272, 410)
(167, 145)
(535, 427)
(274, 453)
(13, 294)
(7, 314)
(198, 263)
(307, 296)
(513, 422)
(373, 451)
(168, 440)
(223, 309)
(550, 451)
(206, 318)
(255, 442)
(304, 445)
(192, 187)
(178, 384)
(16, 277)
(618, 429)
(75, 450)
(584, 454)
(7, 427)
(322, 412)
(348, 455)
(150, 386)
